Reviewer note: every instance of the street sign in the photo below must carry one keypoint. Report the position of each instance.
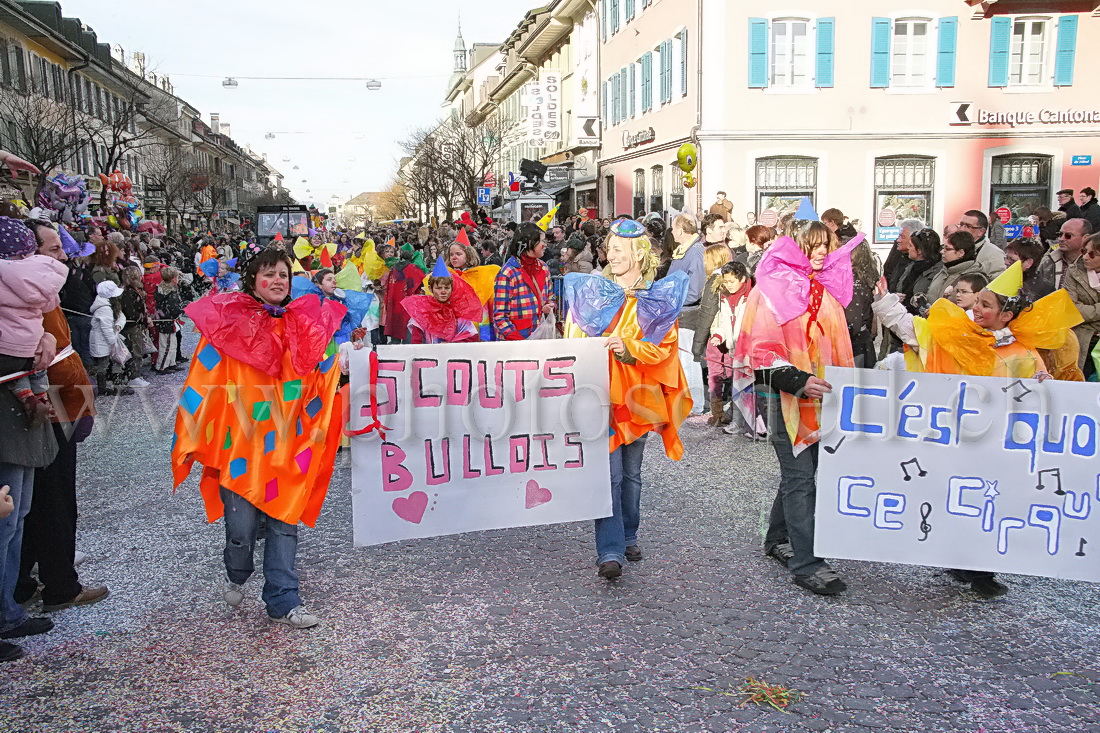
(1081, 160)
(484, 196)
(1004, 214)
(959, 113)
(887, 217)
(587, 131)
(769, 218)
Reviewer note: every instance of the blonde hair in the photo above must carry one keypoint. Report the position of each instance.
(686, 223)
(714, 256)
(644, 243)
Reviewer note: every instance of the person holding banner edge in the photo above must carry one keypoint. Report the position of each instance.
(648, 388)
(794, 326)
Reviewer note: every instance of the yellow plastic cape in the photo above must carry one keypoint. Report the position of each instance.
(369, 262)
(348, 278)
(303, 248)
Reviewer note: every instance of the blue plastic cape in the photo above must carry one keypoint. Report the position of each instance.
(593, 302)
(357, 304)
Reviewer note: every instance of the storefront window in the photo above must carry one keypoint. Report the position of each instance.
(676, 198)
(639, 193)
(609, 195)
(1020, 183)
(657, 191)
(903, 190)
(781, 182)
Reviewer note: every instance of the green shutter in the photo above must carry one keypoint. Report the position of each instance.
(758, 53)
(633, 89)
(948, 39)
(1000, 36)
(1065, 50)
(881, 28)
(825, 43)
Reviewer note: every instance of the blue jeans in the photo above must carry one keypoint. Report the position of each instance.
(21, 481)
(617, 532)
(80, 330)
(280, 592)
(792, 516)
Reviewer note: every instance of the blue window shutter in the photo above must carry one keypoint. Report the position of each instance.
(629, 10)
(614, 10)
(603, 19)
(881, 28)
(945, 53)
(1000, 31)
(614, 99)
(1065, 50)
(625, 101)
(683, 63)
(604, 101)
(633, 89)
(647, 81)
(666, 72)
(825, 43)
(758, 53)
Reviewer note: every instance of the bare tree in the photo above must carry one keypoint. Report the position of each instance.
(394, 202)
(168, 172)
(41, 130)
(210, 190)
(472, 152)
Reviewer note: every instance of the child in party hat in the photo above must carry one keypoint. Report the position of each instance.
(447, 314)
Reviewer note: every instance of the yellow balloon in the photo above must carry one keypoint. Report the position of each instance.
(687, 157)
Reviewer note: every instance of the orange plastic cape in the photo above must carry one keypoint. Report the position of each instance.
(960, 346)
(273, 441)
(650, 395)
(764, 344)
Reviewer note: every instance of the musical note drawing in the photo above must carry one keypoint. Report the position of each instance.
(1057, 474)
(1081, 548)
(920, 471)
(925, 513)
(1020, 397)
(831, 449)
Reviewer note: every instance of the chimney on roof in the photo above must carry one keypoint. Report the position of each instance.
(225, 129)
(215, 123)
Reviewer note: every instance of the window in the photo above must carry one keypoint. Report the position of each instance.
(656, 194)
(629, 7)
(683, 38)
(1028, 52)
(639, 193)
(665, 50)
(903, 184)
(613, 11)
(1021, 183)
(910, 53)
(647, 81)
(609, 194)
(790, 53)
(633, 89)
(781, 182)
(676, 198)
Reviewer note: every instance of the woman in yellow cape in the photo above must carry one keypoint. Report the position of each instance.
(258, 411)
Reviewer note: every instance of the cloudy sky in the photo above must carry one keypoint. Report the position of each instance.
(342, 137)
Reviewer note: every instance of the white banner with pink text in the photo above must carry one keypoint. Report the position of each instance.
(479, 436)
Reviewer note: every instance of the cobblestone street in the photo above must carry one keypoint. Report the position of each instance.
(512, 631)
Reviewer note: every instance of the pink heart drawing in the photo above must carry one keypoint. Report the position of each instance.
(537, 495)
(411, 508)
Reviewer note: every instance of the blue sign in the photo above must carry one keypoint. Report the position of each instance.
(484, 196)
(887, 234)
(1081, 160)
(1014, 231)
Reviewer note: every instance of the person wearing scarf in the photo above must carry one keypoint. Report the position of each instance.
(648, 389)
(260, 412)
(793, 328)
(924, 255)
(521, 292)
(403, 278)
(734, 287)
(959, 257)
(447, 314)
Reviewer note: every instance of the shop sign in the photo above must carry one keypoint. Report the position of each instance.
(1013, 231)
(887, 234)
(1081, 160)
(886, 218)
(965, 113)
(1004, 214)
(769, 218)
(639, 138)
(543, 110)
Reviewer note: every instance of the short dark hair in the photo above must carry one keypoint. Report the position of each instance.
(736, 268)
(983, 220)
(975, 280)
(1089, 191)
(928, 242)
(964, 242)
(721, 193)
(526, 237)
(1026, 248)
(268, 257)
(320, 275)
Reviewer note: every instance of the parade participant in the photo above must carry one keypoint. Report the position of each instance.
(274, 451)
(465, 264)
(447, 314)
(733, 291)
(794, 327)
(715, 256)
(362, 308)
(403, 278)
(169, 308)
(649, 390)
(220, 272)
(521, 293)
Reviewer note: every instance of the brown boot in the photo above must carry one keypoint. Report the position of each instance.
(717, 413)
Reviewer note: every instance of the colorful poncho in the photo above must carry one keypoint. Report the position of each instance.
(259, 409)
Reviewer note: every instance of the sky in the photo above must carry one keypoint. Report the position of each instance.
(343, 138)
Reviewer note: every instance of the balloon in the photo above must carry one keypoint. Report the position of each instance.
(687, 157)
(112, 220)
(689, 180)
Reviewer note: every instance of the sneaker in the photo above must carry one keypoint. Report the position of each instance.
(33, 626)
(233, 594)
(138, 382)
(633, 553)
(825, 582)
(781, 553)
(298, 618)
(10, 652)
(88, 594)
(610, 570)
(988, 587)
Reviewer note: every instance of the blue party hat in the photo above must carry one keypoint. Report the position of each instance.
(440, 269)
(806, 211)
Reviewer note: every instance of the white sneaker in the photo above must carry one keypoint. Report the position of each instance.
(233, 594)
(138, 382)
(79, 558)
(298, 618)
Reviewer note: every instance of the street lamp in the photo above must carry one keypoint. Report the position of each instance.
(270, 136)
(229, 83)
(374, 85)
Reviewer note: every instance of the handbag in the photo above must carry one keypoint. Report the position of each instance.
(147, 345)
(547, 328)
(119, 353)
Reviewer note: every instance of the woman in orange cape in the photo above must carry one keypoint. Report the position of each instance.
(256, 412)
(794, 327)
(649, 390)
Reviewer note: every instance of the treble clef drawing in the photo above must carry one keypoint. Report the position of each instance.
(925, 513)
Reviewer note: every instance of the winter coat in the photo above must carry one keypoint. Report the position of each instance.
(78, 293)
(28, 290)
(1091, 211)
(169, 307)
(582, 263)
(946, 276)
(990, 257)
(1087, 300)
(105, 328)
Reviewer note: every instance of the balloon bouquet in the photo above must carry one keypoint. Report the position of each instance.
(66, 196)
(123, 208)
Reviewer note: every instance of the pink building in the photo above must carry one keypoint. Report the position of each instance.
(884, 110)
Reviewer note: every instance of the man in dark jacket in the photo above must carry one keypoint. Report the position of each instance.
(1090, 208)
(1067, 205)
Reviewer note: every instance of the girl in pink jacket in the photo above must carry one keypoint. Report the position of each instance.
(29, 284)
